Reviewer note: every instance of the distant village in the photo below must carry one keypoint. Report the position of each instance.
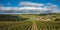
(44, 18)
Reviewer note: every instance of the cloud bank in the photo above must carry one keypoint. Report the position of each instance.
(30, 7)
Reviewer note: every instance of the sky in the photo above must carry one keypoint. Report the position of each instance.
(29, 6)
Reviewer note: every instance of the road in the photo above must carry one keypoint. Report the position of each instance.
(34, 26)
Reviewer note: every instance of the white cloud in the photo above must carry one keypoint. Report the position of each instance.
(21, 8)
(6, 8)
(41, 9)
(51, 7)
(56, 11)
(31, 4)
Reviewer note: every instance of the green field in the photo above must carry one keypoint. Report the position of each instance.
(30, 22)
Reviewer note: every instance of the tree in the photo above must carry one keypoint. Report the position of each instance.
(57, 19)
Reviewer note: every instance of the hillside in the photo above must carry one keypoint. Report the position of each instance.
(42, 17)
(29, 21)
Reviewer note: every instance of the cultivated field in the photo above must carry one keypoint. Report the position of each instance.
(29, 25)
(30, 22)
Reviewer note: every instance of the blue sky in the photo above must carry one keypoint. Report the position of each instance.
(27, 6)
(14, 3)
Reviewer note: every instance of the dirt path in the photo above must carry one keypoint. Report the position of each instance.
(34, 26)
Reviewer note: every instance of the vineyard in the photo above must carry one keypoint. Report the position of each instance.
(30, 22)
(29, 25)
(48, 25)
(15, 25)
